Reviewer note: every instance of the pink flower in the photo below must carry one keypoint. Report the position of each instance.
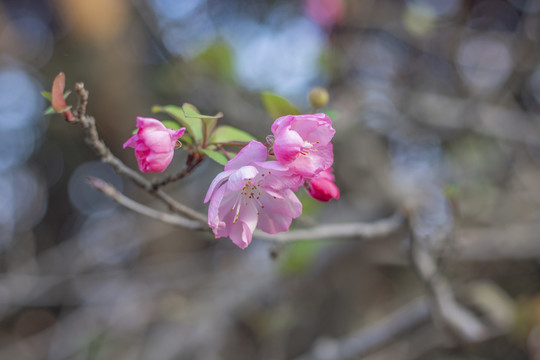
(257, 193)
(154, 144)
(302, 142)
(326, 13)
(322, 187)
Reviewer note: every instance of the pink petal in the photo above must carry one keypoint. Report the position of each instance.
(213, 209)
(176, 134)
(158, 141)
(287, 146)
(217, 180)
(254, 151)
(237, 179)
(131, 142)
(144, 123)
(158, 162)
(315, 162)
(242, 230)
(281, 123)
(279, 210)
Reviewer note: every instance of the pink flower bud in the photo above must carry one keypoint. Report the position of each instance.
(322, 187)
(154, 144)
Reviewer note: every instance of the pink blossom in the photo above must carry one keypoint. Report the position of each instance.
(326, 13)
(302, 142)
(154, 144)
(257, 193)
(323, 187)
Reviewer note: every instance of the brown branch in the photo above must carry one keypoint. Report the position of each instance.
(374, 229)
(446, 310)
(374, 336)
(130, 204)
(194, 159)
(93, 140)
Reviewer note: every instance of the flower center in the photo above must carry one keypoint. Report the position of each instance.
(307, 148)
(251, 192)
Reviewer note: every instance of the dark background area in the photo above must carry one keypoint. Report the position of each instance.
(436, 106)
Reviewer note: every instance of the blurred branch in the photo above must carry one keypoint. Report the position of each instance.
(480, 117)
(93, 140)
(193, 160)
(123, 200)
(334, 231)
(374, 336)
(446, 310)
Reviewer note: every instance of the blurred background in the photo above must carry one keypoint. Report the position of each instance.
(436, 104)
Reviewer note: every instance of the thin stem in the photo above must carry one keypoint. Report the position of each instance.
(193, 161)
(130, 204)
(229, 143)
(94, 141)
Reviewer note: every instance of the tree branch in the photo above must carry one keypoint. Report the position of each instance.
(93, 140)
(349, 230)
(130, 204)
(446, 310)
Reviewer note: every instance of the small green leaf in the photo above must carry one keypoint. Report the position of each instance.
(218, 59)
(227, 133)
(217, 156)
(47, 95)
(277, 106)
(193, 125)
(210, 125)
(49, 111)
(332, 113)
(171, 124)
(64, 110)
(191, 111)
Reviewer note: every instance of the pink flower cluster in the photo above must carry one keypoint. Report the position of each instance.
(260, 193)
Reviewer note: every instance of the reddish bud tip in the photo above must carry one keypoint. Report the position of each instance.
(57, 94)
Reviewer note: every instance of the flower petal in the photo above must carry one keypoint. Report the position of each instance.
(131, 142)
(238, 179)
(287, 146)
(217, 180)
(254, 151)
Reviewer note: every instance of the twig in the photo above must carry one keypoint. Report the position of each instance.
(123, 200)
(446, 309)
(193, 161)
(334, 231)
(374, 336)
(93, 140)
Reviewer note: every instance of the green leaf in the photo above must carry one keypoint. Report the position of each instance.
(210, 125)
(171, 124)
(217, 156)
(47, 95)
(193, 125)
(49, 111)
(218, 59)
(227, 133)
(277, 106)
(191, 111)
(332, 113)
(64, 110)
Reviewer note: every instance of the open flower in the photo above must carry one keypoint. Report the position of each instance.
(154, 144)
(302, 143)
(323, 187)
(257, 193)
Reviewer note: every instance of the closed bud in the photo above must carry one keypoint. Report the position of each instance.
(318, 97)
